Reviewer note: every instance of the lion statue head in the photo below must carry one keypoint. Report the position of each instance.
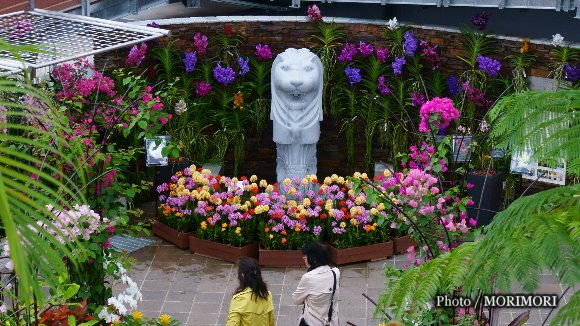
(296, 96)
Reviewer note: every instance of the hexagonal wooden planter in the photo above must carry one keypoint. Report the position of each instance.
(403, 243)
(178, 238)
(222, 251)
(281, 258)
(363, 253)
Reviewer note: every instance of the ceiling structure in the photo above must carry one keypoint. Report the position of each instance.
(55, 37)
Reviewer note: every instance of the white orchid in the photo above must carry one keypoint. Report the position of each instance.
(180, 107)
(558, 40)
(393, 24)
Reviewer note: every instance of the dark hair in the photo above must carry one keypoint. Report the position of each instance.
(316, 254)
(250, 276)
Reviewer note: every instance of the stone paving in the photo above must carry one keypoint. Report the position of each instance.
(197, 290)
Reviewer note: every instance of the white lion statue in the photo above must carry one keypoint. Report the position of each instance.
(296, 111)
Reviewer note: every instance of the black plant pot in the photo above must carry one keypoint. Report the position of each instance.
(488, 203)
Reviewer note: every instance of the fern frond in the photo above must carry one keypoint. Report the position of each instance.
(547, 122)
(569, 314)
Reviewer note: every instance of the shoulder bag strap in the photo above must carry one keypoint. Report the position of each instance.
(332, 297)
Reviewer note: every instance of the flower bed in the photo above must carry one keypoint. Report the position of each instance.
(222, 251)
(281, 258)
(363, 253)
(165, 232)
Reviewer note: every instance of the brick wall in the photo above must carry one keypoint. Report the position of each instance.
(7, 6)
(260, 157)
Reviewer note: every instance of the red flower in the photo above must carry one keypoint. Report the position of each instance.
(323, 216)
(216, 186)
(229, 30)
(342, 203)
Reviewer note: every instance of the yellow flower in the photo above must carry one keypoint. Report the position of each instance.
(304, 181)
(327, 180)
(306, 202)
(356, 175)
(238, 230)
(137, 315)
(359, 200)
(270, 188)
(381, 207)
(224, 225)
(387, 173)
(253, 178)
(292, 191)
(238, 100)
(287, 181)
(270, 236)
(353, 221)
(223, 229)
(342, 224)
(203, 225)
(263, 183)
(164, 319)
(374, 211)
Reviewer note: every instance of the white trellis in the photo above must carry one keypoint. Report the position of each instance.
(62, 37)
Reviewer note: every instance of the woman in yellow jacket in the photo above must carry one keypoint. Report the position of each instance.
(251, 304)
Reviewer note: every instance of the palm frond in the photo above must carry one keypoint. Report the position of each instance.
(36, 250)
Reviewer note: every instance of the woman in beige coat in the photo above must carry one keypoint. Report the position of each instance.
(318, 288)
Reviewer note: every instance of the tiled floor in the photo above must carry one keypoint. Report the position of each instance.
(197, 290)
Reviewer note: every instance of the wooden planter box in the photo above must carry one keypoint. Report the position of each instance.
(363, 253)
(403, 243)
(281, 258)
(222, 251)
(178, 238)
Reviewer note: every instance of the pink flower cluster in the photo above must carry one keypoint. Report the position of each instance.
(81, 80)
(439, 112)
(200, 43)
(203, 88)
(420, 158)
(314, 14)
(263, 52)
(136, 55)
(80, 222)
(382, 54)
(365, 49)
(347, 53)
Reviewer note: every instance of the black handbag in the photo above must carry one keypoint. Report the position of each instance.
(303, 323)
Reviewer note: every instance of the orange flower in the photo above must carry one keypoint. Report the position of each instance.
(283, 232)
(267, 230)
(238, 100)
(283, 240)
(525, 45)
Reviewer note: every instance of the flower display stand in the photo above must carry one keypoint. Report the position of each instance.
(403, 243)
(281, 258)
(222, 251)
(363, 253)
(178, 238)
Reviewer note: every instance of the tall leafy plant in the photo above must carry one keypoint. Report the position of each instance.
(328, 39)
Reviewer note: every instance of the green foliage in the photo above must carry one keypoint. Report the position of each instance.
(23, 199)
(475, 43)
(570, 313)
(546, 122)
(534, 232)
(168, 61)
(328, 40)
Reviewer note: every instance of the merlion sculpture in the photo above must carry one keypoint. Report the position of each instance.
(296, 111)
